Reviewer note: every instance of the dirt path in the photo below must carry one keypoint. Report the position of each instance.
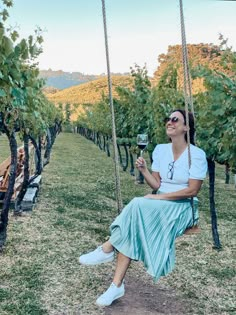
(143, 297)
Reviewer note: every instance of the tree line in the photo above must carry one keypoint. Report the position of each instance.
(25, 112)
(143, 107)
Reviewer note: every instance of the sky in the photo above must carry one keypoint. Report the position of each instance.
(138, 30)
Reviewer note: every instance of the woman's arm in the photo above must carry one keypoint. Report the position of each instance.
(153, 180)
(192, 190)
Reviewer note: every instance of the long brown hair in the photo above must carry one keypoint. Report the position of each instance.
(191, 124)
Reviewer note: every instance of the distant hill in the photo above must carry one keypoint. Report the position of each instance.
(88, 93)
(62, 80)
(50, 90)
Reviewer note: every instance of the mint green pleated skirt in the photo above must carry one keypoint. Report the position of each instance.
(146, 231)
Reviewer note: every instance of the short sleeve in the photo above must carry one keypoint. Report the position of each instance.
(156, 159)
(198, 169)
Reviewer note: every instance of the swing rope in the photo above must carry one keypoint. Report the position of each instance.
(188, 98)
(116, 160)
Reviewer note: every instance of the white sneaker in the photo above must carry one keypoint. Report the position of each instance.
(96, 257)
(111, 294)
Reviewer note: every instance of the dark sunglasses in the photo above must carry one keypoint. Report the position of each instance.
(172, 119)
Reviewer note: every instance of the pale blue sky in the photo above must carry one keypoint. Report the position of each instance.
(138, 30)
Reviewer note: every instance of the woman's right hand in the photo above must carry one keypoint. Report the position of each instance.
(141, 164)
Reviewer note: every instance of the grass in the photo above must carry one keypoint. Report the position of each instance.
(4, 148)
(39, 270)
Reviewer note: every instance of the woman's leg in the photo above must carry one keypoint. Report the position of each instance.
(107, 247)
(116, 289)
(122, 266)
(122, 263)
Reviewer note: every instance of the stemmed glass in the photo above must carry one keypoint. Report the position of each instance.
(142, 142)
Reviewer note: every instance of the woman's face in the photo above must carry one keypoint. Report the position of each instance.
(175, 126)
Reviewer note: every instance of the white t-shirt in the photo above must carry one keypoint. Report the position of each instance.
(163, 159)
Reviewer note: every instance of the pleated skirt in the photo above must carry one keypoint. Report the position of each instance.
(146, 231)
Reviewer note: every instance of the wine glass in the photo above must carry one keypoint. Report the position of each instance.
(142, 142)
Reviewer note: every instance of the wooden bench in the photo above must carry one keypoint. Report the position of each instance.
(5, 167)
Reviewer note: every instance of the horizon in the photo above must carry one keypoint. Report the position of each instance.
(138, 31)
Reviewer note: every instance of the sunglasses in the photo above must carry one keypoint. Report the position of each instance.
(172, 119)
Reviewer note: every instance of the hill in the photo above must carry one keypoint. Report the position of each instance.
(62, 80)
(88, 93)
(50, 90)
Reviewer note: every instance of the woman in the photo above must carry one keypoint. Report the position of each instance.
(148, 226)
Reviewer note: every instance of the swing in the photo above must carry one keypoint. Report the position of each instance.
(187, 99)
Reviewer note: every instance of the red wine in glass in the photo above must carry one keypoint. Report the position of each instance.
(142, 146)
(142, 142)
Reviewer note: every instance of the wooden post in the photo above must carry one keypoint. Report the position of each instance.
(227, 173)
(10, 189)
(215, 234)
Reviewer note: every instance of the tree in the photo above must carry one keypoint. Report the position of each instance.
(22, 103)
(131, 106)
(199, 54)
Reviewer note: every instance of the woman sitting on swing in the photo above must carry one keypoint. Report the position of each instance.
(147, 227)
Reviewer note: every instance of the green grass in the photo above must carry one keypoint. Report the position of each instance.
(40, 273)
(4, 148)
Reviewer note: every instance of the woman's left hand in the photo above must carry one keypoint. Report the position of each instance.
(152, 196)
